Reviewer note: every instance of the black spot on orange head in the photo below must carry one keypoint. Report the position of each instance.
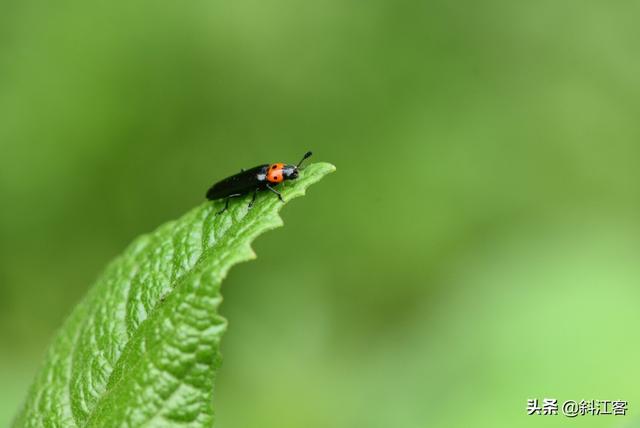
(275, 173)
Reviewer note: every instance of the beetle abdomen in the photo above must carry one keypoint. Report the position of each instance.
(243, 182)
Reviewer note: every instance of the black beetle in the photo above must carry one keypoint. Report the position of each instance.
(261, 177)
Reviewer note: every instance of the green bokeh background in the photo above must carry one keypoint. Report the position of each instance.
(478, 245)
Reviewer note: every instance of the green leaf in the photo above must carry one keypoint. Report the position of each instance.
(142, 348)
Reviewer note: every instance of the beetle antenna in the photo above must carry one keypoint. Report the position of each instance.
(306, 155)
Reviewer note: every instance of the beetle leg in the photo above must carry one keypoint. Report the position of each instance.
(255, 193)
(226, 203)
(276, 192)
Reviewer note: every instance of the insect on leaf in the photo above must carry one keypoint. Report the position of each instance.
(142, 348)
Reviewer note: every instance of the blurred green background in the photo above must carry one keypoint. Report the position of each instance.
(477, 247)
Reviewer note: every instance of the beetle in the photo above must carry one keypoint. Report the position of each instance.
(261, 177)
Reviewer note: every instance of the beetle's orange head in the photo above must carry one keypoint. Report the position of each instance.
(278, 172)
(275, 173)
